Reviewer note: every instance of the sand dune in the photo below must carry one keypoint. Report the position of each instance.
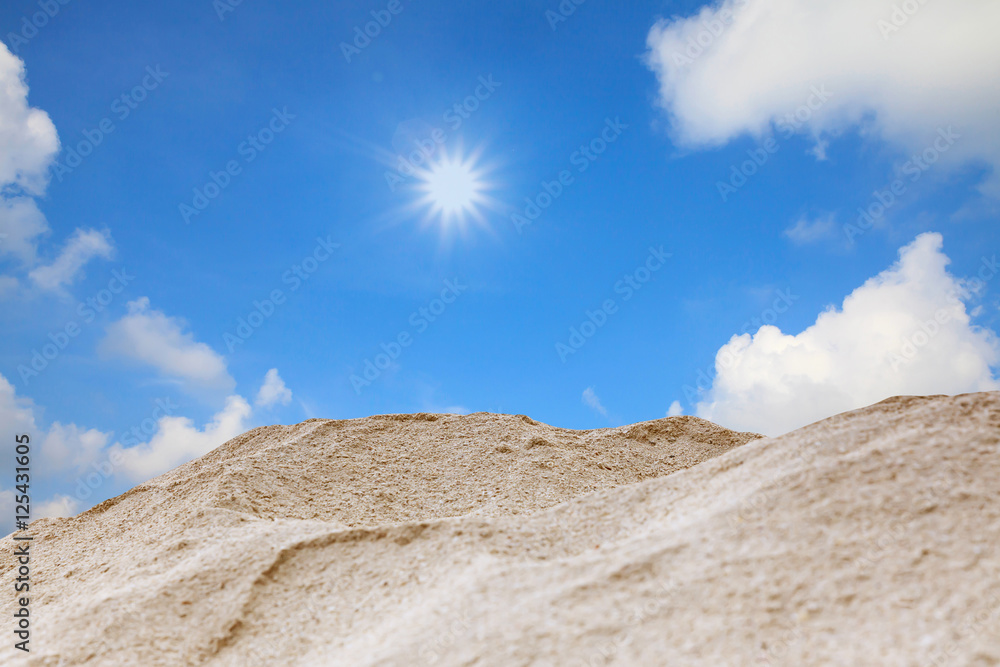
(866, 539)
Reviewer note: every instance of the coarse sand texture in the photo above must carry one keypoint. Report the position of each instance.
(870, 538)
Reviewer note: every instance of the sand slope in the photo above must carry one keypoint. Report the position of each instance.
(867, 539)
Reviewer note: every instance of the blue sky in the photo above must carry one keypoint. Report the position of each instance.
(201, 82)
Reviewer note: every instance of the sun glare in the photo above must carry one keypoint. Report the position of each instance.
(453, 189)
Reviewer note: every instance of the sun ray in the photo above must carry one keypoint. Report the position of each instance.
(453, 190)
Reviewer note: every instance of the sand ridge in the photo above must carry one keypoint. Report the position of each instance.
(868, 538)
(394, 468)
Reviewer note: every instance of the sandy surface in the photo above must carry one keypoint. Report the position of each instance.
(867, 539)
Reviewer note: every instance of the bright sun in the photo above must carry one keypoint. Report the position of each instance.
(454, 189)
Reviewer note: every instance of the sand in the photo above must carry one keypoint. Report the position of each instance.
(866, 539)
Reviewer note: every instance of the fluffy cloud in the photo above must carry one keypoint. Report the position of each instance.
(69, 447)
(79, 461)
(17, 414)
(178, 440)
(28, 147)
(153, 338)
(28, 139)
(57, 506)
(21, 224)
(811, 231)
(675, 409)
(592, 401)
(905, 331)
(741, 66)
(273, 391)
(81, 247)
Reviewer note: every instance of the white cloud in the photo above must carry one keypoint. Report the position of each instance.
(62, 448)
(71, 447)
(16, 414)
(6, 511)
(22, 224)
(66, 454)
(17, 417)
(151, 337)
(437, 409)
(28, 139)
(178, 441)
(905, 331)
(760, 60)
(273, 391)
(81, 247)
(28, 147)
(675, 409)
(811, 231)
(592, 401)
(57, 506)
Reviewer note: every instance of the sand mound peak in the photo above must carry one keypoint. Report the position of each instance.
(868, 538)
(405, 467)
